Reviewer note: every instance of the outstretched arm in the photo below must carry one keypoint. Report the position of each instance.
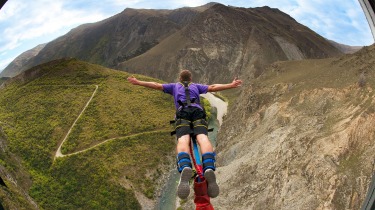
(153, 85)
(218, 87)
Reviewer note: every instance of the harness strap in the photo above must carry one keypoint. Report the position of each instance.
(187, 92)
(182, 123)
(200, 122)
(182, 104)
(174, 132)
(189, 101)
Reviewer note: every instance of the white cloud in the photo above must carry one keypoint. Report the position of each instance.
(34, 19)
(5, 63)
(192, 3)
(164, 4)
(337, 20)
(128, 3)
(10, 10)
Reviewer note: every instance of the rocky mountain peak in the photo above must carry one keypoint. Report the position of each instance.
(225, 41)
(228, 38)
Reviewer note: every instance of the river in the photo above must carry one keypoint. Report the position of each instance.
(167, 200)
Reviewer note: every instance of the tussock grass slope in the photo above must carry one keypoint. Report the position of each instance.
(38, 107)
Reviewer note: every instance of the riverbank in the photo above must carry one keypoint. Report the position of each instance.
(220, 105)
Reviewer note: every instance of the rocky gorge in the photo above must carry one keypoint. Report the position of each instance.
(302, 144)
(298, 134)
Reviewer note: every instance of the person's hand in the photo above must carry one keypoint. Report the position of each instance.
(236, 82)
(133, 80)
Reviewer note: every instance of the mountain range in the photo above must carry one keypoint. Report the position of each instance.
(160, 42)
(298, 133)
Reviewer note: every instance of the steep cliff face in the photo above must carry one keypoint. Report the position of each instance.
(301, 136)
(223, 42)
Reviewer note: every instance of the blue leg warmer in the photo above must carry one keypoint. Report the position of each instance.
(208, 160)
(183, 160)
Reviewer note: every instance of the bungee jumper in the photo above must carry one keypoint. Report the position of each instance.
(191, 122)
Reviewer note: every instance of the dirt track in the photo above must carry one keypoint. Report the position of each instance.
(58, 152)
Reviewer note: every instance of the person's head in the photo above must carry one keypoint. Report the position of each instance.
(185, 75)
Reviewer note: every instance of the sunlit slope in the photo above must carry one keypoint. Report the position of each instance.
(37, 109)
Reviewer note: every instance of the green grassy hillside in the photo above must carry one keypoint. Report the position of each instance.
(38, 107)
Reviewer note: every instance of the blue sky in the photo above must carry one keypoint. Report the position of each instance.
(25, 24)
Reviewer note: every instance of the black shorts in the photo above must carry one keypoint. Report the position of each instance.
(191, 114)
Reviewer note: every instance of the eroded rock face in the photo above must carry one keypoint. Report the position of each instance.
(302, 145)
(289, 159)
(223, 42)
